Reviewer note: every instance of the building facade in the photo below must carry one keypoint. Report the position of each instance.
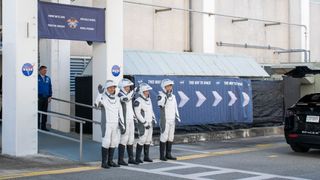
(146, 28)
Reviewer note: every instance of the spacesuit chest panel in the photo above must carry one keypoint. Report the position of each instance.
(146, 107)
(112, 108)
(170, 108)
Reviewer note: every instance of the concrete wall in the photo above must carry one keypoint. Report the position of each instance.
(146, 30)
(315, 31)
(169, 31)
(251, 32)
(80, 48)
(312, 87)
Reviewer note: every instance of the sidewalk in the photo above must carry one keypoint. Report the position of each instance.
(13, 165)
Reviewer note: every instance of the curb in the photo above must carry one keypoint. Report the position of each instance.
(225, 135)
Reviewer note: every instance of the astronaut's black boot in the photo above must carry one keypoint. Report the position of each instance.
(138, 153)
(110, 158)
(121, 150)
(131, 160)
(168, 151)
(162, 148)
(146, 153)
(104, 154)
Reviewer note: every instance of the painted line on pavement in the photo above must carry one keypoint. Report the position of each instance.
(258, 147)
(50, 172)
(203, 175)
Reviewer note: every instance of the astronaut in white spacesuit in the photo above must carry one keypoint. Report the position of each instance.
(111, 121)
(169, 114)
(126, 95)
(145, 115)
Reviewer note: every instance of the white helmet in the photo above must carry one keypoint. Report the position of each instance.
(124, 83)
(165, 83)
(109, 83)
(144, 87)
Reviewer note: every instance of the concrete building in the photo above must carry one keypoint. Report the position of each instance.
(174, 30)
(231, 27)
(21, 49)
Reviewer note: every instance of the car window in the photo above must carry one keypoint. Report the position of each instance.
(310, 98)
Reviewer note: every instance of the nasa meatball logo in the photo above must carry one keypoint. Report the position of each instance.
(115, 70)
(27, 69)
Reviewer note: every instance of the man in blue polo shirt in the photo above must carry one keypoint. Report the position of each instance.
(44, 96)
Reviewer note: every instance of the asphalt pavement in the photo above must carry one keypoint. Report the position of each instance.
(251, 158)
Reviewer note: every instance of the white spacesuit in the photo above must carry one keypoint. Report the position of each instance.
(126, 95)
(145, 115)
(168, 115)
(111, 121)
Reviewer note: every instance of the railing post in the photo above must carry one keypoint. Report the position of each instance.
(81, 143)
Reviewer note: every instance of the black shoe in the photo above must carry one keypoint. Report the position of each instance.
(110, 158)
(162, 149)
(121, 150)
(146, 153)
(130, 155)
(168, 151)
(104, 154)
(138, 153)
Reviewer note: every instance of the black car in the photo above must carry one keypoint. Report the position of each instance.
(302, 125)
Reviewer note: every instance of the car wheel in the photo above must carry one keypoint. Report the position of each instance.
(299, 148)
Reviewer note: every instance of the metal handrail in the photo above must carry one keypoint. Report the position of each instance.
(75, 103)
(76, 117)
(66, 117)
(60, 115)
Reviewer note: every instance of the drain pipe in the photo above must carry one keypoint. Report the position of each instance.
(248, 46)
(305, 52)
(190, 27)
(277, 50)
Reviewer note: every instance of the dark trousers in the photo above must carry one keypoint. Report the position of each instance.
(42, 106)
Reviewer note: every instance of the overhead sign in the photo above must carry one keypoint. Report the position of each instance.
(207, 100)
(60, 21)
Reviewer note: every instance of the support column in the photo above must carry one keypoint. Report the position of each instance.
(20, 56)
(55, 54)
(299, 13)
(108, 57)
(203, 27)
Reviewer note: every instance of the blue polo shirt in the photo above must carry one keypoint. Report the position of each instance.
(44, 86)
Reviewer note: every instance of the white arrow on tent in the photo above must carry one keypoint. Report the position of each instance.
(233, 98)
(246, 99)
(184, 99)
(217, 98)
(201, 98)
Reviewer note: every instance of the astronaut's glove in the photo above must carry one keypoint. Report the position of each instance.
(122, 128)
(135, 89)
(97, 106)
(100, 89)
(147, 126)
